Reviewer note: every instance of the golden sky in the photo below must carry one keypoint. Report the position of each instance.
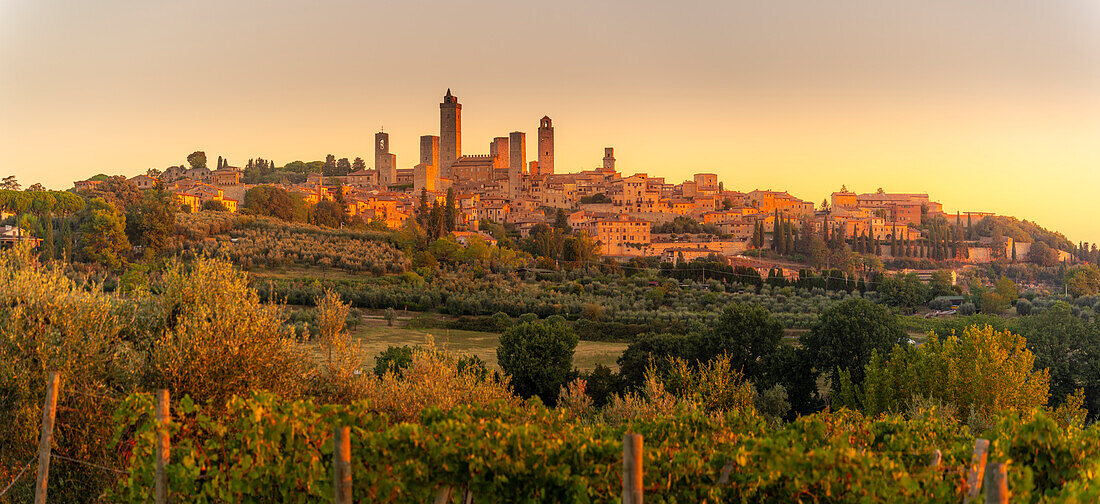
(986, 105)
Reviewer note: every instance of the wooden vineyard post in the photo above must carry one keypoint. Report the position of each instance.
(164, 447)
(341, 454)
(996, 485)
(45, 438)
(632, 468)
(977, 470)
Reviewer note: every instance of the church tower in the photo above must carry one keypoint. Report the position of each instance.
(546, 147)
(450, 133)
(385, 164)
(609, 159)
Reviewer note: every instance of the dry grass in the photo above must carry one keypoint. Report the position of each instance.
(374, 336)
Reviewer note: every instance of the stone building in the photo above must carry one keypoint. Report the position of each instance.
(546, 147)
(609, 159)
(517, 160)
(473, 170)
(450, 134)
(499, 150)
(426, 174)
(429, 150)
(385, 164)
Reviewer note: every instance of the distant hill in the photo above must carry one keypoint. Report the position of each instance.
(1023, 231)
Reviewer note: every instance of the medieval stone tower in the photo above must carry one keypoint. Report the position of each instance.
(517, 160)
(385, 163)
(499, 150)
(426, 174)
(546, 147)
(609, 159)
(429, 150)
(450, 133)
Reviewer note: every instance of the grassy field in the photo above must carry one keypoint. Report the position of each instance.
(374, 336)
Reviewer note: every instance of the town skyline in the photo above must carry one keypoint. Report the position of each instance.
(976, 126)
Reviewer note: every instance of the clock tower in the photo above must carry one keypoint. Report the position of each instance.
(385, 164)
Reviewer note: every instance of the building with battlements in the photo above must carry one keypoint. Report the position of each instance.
(450, 133)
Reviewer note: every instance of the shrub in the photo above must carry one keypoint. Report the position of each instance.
(214, 337)
(846, 336)
(967, 309)
(927, 371)
(393, 359)
(538, 357)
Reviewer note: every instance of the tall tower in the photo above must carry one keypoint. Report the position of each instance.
(546, 147)
(429, 150)
(609, 159)
(517, 160)
(426, 174)
(499, 150)
(450, 133)
(385, 164)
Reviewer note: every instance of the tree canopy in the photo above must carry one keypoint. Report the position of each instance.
(539, 358)
(848, 334)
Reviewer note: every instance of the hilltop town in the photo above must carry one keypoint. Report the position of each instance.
(627, 216)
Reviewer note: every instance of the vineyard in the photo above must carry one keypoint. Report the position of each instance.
(262, 449)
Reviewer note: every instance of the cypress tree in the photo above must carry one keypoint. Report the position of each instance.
(422, 211)
(790, 238)
(775, 231)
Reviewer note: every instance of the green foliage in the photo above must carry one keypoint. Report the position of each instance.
(197, 159)
(151, 222)
(748, 334)
(1082, 280)
(958, 370)
(103, 237)
(274, 202)
(940, 284)
(48, 322)
(654, 351)
(538, 356)
(116, 190)
(328, 214)
(847, 336)
(904, 290)
(393, 359)
(265, 242)
(956, 325)
(1022, 231)
(1069, 348)
(214, 338)
(215, 206)
(40, 202)
(1042, 255)
(283, 452)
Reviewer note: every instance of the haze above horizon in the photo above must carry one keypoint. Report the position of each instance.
(987, 106)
